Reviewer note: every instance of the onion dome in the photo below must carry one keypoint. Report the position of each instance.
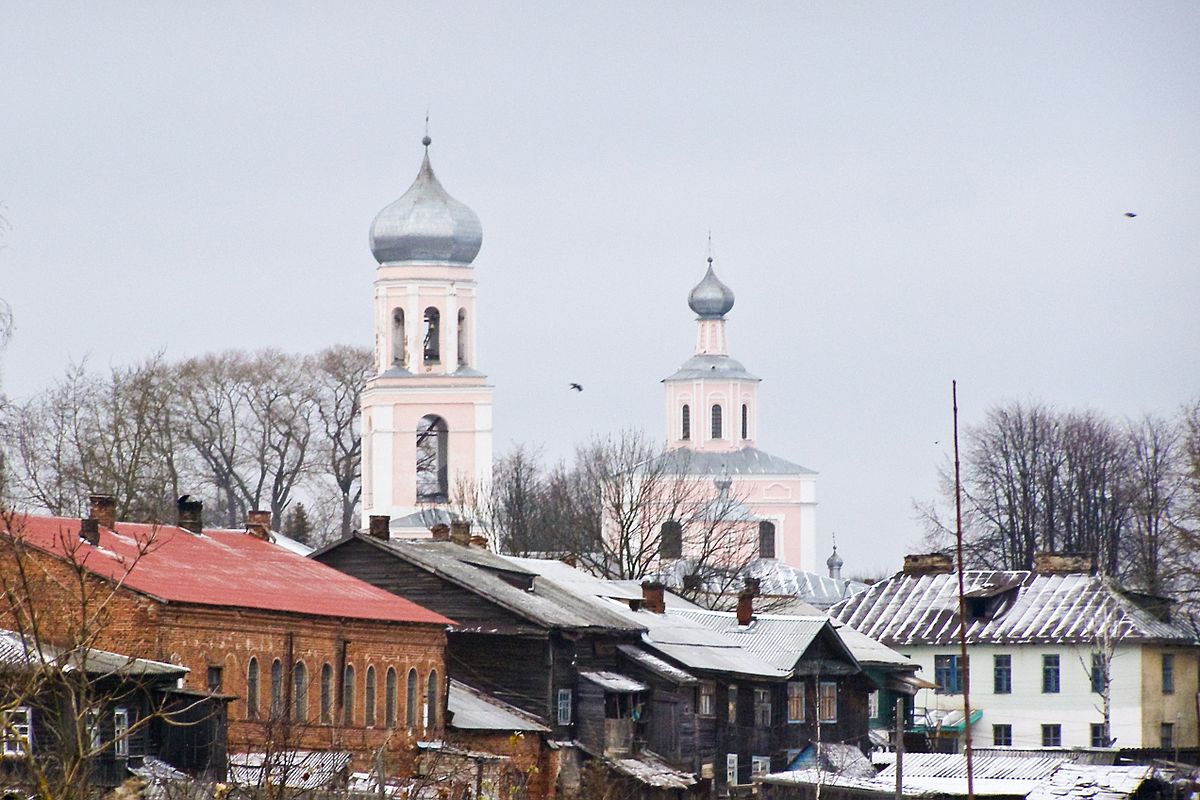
(710, 298)
(426, 224)
(834, 561)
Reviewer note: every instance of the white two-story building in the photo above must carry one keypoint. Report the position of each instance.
(1048, 651)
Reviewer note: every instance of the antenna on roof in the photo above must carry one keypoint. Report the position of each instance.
(964, 669)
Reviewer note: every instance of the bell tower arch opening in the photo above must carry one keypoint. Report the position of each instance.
(433, 485)
(398, 343)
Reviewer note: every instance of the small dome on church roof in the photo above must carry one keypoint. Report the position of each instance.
(710, 298)
(426, 224)
(834, 561)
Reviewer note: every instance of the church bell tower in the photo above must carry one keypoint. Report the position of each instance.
(427, 412)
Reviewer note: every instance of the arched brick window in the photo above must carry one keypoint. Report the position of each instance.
(390, 698)
(413, 701)
(369, 698)
(326, 694)
(300, 692)
(745, 421)
(348, 695)
(766, 539)
(252, 689)
(433, 473)
(276, 688)
(431, 700)
(716, 421)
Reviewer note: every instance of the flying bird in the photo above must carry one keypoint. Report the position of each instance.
(575, 386)
(1130, 214)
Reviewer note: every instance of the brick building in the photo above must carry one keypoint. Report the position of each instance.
(316, 659)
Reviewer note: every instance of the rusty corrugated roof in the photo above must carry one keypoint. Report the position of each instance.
(218, 568)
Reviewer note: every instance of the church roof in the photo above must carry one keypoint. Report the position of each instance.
(746, 461)
(707, 365)
(426, 224)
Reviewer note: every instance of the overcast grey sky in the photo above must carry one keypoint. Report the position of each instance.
(899, 194)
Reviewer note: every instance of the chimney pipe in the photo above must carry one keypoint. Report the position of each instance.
(1064, 563)
(441, 532)
(460, 533)
(380, 527)
(479, 541)
(654, 597)
(692, 582)
(258, 524)
(104, 509)
(745, 609)
(89, 531)
(753, 586)
(928, 564)
(190, 513)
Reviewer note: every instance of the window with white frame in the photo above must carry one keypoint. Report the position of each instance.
(795, 692)
(92, 721)
(16, 732)
(760, 765)
(731, 768)
(827, 701)
(121, 718)
(873, 704)
(707, 705)
(564, 706)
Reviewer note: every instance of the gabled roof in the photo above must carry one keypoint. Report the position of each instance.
(474, 710)
(478, 571)
(779, 640)
(923, 610)
(218, 568)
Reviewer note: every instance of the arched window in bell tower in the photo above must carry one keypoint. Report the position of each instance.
(433, 336)
(745, 421)
(686, 433)
(462, 337)
(433, 484)
(716, 421)
(398, 337)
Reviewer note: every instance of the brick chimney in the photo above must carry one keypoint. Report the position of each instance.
(479, 541)
(753, 586)
(928, 564)
(190, 513)
(104, 509)
(441, 532)
(380, 527)
(258, 524)
(745, 608)
(460, 532)
(654, 597)
(692, 582)
(89, 531)
(1064, 563)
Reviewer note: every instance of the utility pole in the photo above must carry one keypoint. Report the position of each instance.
(899, 748)
(965, 667)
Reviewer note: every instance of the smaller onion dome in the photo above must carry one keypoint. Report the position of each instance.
(426, 224)
(710, 298)
(834, 562)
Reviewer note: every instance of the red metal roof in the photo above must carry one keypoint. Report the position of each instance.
(219, 568)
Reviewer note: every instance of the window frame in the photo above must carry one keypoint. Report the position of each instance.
(1096, 676)
(1168, 673)
(685, 418)
(762, 707)
(16, 738)
(948, 673)
(1166, 735)
(326, 694)
(760, 765)
(1002, 673)
(717, 421)
(300, 692)
(252, 688)
(706, 699)
(1098, 734)
(731, 769)
(796, 699)
(1051, 673)
(1002, 735)
(1052, 734)
(432, 693)
(565, 706)
(745, 421)
(824, 694)
(390, 704)
(369, 697)
(122, 722)
(348, 680)
(276, 688)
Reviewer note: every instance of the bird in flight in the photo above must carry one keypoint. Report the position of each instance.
(575, 386)
(1130, 214)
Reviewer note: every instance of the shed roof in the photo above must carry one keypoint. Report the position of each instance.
(1093, 781)
(656, 665)
(18, 651)
(474, 710)
(923, 609)
(217, 568)
(613, 681)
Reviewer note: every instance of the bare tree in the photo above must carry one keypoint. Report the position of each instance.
(341, 372)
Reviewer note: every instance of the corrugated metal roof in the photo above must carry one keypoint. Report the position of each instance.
(778, 640)
(21, 651)
(648, 768)
(577, 580)
(295, 769)
(613, 681)
(915, 610)
(1092, 781)
(218, 568)
(474, 710)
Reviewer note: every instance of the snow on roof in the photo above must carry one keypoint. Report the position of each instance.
(613, 681)
(1093, 781)
(779, 640)
(923, 609)
(656, 665)
(23, 651)
(217, 568)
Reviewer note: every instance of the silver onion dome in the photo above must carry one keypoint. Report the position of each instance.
(834, 561)
(710, 298)
(426, 224)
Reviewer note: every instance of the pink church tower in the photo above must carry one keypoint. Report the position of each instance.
(427, 412)
(712, 413)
